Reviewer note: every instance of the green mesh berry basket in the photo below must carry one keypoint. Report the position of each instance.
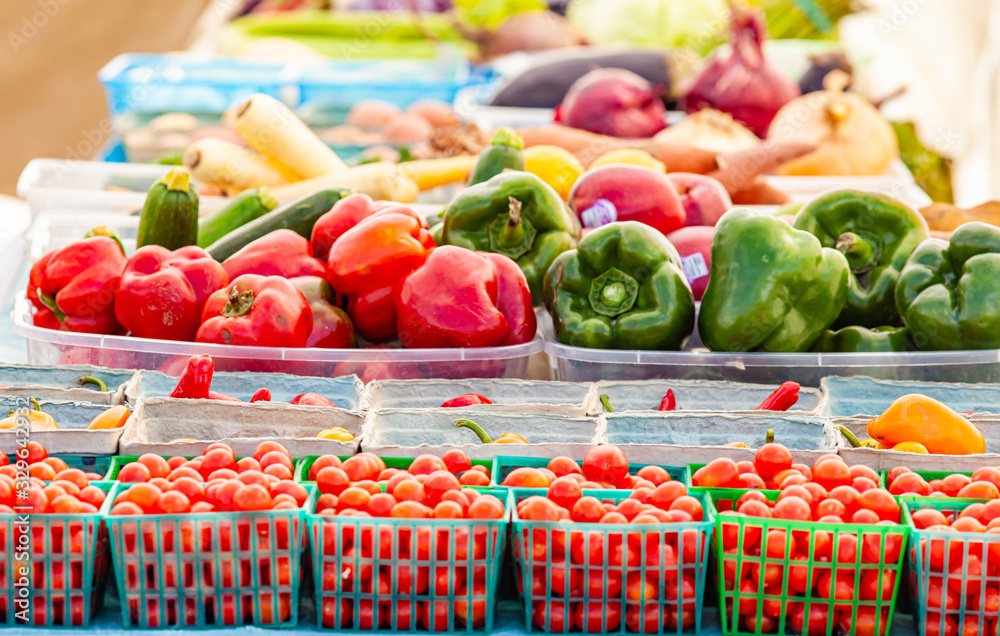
(954, 576)
(97, 464)
(503, 465)
(395, 575)
(610, 578)
(402, 463)
(208, 570)
(119, 461)
(785, 576)
(53, 572)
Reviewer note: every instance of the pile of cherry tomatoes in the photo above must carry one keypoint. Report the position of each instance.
(603, 466)
(983, 484)
(333, 475)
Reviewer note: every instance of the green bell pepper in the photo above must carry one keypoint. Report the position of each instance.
(623, 287)
(515, 214)
(856, 339)
(877, 234)
(947, 293)
(503, 153)
(771, 287)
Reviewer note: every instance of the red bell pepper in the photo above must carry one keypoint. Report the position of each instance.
(73, 287)
(313, 399)
(162, 293)
(347, 213)
(263, 311)
(332, 328)
(462, 298)
(782, 399)
(280, 253)
(196, 381)
(368, 261)
(262, 394)
(469, 399)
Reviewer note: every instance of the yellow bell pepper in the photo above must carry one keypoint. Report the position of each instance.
(38, 420)
(114, 417)
(506, 438)
(555, 166)
(632, 156)
(336, 433)
(927, 422)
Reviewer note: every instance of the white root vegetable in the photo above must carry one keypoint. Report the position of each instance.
(231, 167)
(271, 128)
(380, 181)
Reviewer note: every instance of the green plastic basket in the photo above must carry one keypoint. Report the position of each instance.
(654, 594)
(402, 463)
(65, 573)
(414, 580)
(119, 461)
(100, 464)
(747, 607)
(503, 465)
(208, 570)
(971, 593)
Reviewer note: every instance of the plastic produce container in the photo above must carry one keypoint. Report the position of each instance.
(344, 391)
(949, 567)
(695, 395)
(63, 382)
(303, 466)
(846, 397)
(855, 593)
(390, 589)
(68, 567)
(657, 595)
(507, 395)
(208, 570)
(502, 466)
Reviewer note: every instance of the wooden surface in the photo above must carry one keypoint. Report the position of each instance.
(52, 104)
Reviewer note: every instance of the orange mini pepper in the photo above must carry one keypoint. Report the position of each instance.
(114, 417)
(924, 420)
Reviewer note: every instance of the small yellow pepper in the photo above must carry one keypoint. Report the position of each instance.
(555, 166)
(924, 420)
(38, 420)
(114, 417)
(911, 447)
(506, 438)
(337, 434)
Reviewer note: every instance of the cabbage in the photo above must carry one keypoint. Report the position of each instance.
(696, 24)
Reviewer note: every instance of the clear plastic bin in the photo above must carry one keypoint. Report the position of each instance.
(578, 364)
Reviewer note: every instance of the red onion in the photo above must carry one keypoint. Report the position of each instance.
(613, 101)
(743, 84)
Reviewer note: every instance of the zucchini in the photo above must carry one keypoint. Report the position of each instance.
(503, 153)
(299, 215)
(169, 216)
(248, 206)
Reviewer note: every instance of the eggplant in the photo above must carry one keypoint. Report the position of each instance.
(819, 66)
(544, 84)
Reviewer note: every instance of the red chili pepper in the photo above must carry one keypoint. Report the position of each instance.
(313, 399)
(280, 253)
(162, 293)
(263, 311)
(73, 287)
(261, 395)
(469, 399)
(783, 398)
(669, 402)
(367, 261)
(196, 381)
(461, 298)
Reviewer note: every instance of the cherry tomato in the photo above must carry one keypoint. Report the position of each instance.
(587, 510)
(654, 474)
(426, 464)
(332, 480)
(979, 490)
(910, 483)
(438, 483)
(456, 461)
(561, 466)
(666, 493)
(751, 480)
(881, 503)
(771, 459)
(605, 463)
(718, 473)
(133, 473)
(526, 478)
(831, 473)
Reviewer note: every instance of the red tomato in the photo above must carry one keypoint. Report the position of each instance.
(605, 463)
(910, 483)
(718, 473)
(895, 472)
(561, 466)
(526, 478)
(601, 617)
(486, 507)
(426, 464)
(771, 459)
(979, 490)
(666, 493)
(860, 470)
(262, 449)
(587, 510)
(832, 472)
(438, 483)
(987, 473)
(133, 473)
(332, 480)
(654, 474)
(794, 508)
(158, 467)
(456, 461)
(881, 503)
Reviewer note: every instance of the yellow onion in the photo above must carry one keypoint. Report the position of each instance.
(851, 136)
(711, 130)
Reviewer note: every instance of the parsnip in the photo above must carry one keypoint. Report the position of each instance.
(271, 128)
(431, 173)
(380, 181)
(231, 167)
